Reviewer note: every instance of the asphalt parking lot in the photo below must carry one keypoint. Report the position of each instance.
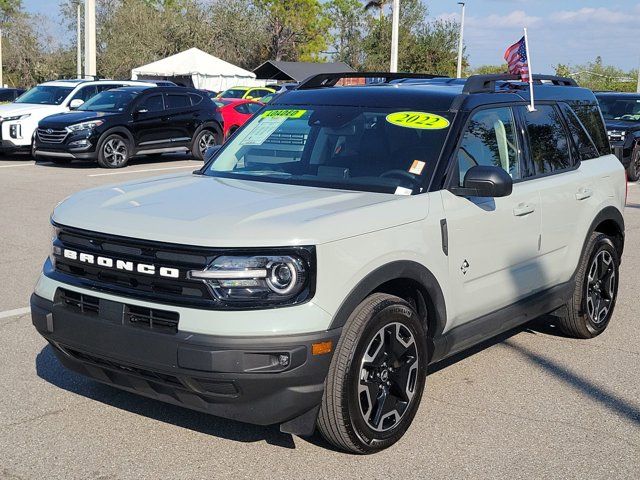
(531, 404)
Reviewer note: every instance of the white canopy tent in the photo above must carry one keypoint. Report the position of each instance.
(196, 68)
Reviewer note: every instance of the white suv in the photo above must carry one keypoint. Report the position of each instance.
(19, 120)
(340, 242)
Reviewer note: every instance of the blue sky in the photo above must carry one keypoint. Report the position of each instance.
(560, 31)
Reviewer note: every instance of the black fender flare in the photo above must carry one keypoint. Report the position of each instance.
(122, 131)
(212, 124)
(609, 213)
(402, 269)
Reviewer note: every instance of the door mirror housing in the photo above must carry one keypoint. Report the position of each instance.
(75, 103)
(486, 181)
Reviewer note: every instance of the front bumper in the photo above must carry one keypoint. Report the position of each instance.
(43, 152)
(232, 377)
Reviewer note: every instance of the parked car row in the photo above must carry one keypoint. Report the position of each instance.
(110, 121)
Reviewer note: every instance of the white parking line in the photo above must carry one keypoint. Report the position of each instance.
(12, 313)
(140, 171)
(19, 165)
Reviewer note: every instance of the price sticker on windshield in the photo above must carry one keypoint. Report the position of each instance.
(419, 120)
(283, 113)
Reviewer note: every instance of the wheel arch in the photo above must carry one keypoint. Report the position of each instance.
(610, 222)
(408, 280)
(122, 131)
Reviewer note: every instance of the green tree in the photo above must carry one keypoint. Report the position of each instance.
(347, 31)
(489, 69)
(298, 29)
(598, 76)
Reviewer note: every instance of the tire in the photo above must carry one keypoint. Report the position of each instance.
(633, 170)
(348, 417)
(114, 151)
(596, 289)
(204, 139)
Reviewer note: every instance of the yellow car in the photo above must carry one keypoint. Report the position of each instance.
(247, 93)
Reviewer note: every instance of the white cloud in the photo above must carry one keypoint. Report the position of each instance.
(595, 15)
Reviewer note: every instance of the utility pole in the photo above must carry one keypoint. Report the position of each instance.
(637, 85)
(1, 79)
(395, 24)
(461, 43)
(79, 44)
(89, 38)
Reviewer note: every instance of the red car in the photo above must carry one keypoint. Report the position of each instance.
(236, 112)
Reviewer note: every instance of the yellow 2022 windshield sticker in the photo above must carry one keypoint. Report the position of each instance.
(420, 120)
(284, 113)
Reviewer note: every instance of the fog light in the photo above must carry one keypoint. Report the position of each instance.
(15, 131)
(283, 359)
(80, 143)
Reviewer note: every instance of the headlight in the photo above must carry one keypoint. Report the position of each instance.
(84, 126)
(16, 117)
(259, 280)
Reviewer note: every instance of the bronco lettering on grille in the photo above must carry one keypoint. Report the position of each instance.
(123, 265)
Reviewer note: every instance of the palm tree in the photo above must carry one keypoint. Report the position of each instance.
(379, 4)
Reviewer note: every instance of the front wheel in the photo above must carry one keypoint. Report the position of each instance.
(376, 378)
(113, 152)
(633, 170)
(204, 140)
(590, 309)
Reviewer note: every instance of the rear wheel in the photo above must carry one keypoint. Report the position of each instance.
(589, 310)
(633, 170)
(204, 140)
(113, 152)
(377, 375)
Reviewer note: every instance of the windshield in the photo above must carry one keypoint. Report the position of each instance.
(108, 101)
(620, 107)
(45, 95)
(233, 93)
(353, 148)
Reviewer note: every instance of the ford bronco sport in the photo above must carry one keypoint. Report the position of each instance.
(344, 239)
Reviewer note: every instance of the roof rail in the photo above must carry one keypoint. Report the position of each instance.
(330, 79)
(487, 83)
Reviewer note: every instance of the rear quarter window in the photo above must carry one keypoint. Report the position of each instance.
(590, 116)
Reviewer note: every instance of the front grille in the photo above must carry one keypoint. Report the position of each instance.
(151, 318)
(51, 135)
(79, 302)
(172, 291)
(161, 321)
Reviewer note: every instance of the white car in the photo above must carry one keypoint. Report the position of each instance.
(340, 242)
(19, 119)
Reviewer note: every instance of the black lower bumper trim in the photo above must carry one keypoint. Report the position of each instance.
(233, 377)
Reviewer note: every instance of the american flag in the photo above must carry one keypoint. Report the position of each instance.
(516, 57)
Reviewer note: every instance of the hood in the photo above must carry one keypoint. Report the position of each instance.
(216, 212)
(622, 125)
(13, 109)
(70, 118)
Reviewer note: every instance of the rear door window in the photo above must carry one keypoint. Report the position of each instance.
(548, 141)
(177, 100)
(490, 139)
(590, 116)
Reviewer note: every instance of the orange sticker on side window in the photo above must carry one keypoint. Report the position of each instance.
(416, 167)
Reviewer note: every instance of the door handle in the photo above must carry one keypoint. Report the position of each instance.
(523, 209)
(164, 119)
(583, 193)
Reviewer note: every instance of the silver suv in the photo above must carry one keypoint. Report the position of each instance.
(344, 239)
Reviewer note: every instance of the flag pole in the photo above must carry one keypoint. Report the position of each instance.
(531, 107)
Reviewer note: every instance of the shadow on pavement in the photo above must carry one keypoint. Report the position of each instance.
(143, 160)
(49, 369)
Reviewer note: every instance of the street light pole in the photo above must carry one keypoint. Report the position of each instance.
(461, 43)
(89, 38)
(395, 25)
(79, 45)
(1, 79)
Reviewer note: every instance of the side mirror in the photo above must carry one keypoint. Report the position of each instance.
(75, 103)
(486, 181)
(248, 97)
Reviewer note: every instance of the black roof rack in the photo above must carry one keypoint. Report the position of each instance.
(487, 83)
(330, 79)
